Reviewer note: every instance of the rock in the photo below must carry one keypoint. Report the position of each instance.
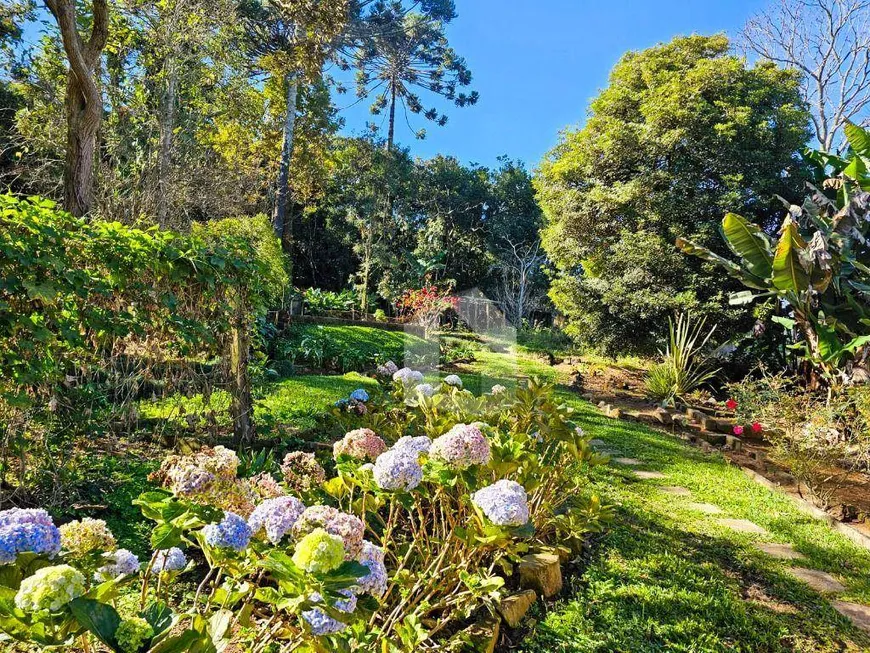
(716, 439)
(662, 416)
(733, 442)
(615, 413)
(742, 526)
(541, 572)
(859, 614)
(602, 404)
(481, 637)
(818, 580)
(844, 512)
(595, 442)
(646, 476)
(513, 608)
(707, 508)
(779, 551)
(632, 462)
(720, 425)
(675, 490)
(697, 416)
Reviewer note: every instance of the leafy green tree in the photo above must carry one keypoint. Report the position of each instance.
(405, 52)
(683, 133)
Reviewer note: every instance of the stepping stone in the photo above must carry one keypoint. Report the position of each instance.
(646, 476)
(742, 526)
(859, 614)
(779, 551)
(597, 443)
(707, 508)
(633, 462)
(675, 490)
(818, 580)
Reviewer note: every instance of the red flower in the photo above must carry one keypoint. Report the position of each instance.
(730, 404)
(756, 427)
(738, 430)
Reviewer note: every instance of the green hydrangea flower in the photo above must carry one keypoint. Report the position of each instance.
(319, 552)
(82, 537)
(50, 588)
(132, 634)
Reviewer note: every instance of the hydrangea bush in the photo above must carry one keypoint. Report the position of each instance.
(431, 504)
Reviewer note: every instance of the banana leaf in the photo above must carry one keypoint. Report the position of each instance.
(750, 243)
(788, 273)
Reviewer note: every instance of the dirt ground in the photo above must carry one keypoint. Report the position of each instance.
(623, 388)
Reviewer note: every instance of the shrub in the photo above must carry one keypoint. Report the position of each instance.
(684, 367)
(386, 556)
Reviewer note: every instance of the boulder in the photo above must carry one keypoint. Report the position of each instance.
(513, 608)
(662, 416)
(541, 572)
(481, 637)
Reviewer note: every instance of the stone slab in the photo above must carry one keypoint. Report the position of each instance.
(742, 526)
(707, 508)
(541, 572)
(779, 551)
(632, 462)
(647, 476)
(818, 580)
(859, 614)
(513, 608)
(676, 491)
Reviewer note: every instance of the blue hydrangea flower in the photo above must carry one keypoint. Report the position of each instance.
(341, 403)
(375, 582)
(321, 623)
(232, 532)
(120, 563)
(25, 530)
(398, 469)
(359, 395)
(504, 503)
(169, 560)
(276, 517)
(418, 444)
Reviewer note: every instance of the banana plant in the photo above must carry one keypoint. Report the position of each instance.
(819, 262)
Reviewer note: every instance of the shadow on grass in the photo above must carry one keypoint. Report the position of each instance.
(654, 587)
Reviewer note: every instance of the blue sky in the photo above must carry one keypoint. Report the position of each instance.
(537, 64)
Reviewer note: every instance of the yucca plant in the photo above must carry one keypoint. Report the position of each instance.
(684, 367)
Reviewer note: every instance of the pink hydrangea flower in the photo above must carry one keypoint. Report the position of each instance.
(461, 447)
(362, 444)
(348, 527)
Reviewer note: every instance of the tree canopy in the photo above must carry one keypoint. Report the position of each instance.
(684, 132)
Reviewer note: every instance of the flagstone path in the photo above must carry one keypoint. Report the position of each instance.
(820, 581)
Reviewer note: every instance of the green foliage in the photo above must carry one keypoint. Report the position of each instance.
(684, 367)
(320, 302)
(345, 348)
(819, 264)
(684, 132)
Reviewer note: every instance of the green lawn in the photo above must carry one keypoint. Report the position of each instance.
(666, 577)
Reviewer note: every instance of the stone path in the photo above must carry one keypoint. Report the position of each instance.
(742, 526)
(675, 491)
(779, 551)
(820, 581)
(631, 462)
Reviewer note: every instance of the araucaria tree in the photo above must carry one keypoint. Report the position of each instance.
(84, 102)
(828, 43)
(683, 133)
(405, 52)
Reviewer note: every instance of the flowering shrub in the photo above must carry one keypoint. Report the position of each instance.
(394, 550)
(427, 301)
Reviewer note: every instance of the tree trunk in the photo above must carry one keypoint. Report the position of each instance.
(392, 129)
(84, 102)
(167, 128)
(282, 191)
(242, 404)
(81, 144)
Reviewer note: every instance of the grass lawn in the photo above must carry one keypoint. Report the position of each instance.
(667, 577)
